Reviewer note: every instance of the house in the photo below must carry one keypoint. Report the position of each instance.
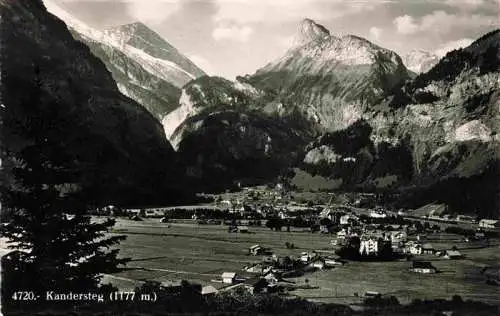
(452, 254)
(243, 229)
(172, 285)
(428, 249)
(413, 248)
(228, 277)
(348, 219)
(378, 214)
(423, 267)
(209, 290)
(369, 246)
(326, 213)
(398, 237)
(256, 268)
(153, 213)
(283, 214)
(317, 264)
(225, 204)
(465, 218)
(307, 257)
(489, 223)
(271, 278)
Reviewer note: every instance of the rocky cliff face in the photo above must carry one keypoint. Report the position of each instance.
(441, 131)
(145, 67)
(220, 148)
(451, 115)
(223, 136)
(118, 147)
(332, 80)
(207, 94)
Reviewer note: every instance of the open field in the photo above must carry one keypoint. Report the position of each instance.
(200, 253)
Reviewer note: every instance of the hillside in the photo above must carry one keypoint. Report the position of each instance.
(108, 143)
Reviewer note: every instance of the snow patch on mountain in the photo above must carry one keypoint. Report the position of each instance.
(246, 88)
(161, 68)
(420, 61)
(174, 119)
(350, 114)
(473, 130)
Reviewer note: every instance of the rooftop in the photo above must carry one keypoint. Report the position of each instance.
(228, 275)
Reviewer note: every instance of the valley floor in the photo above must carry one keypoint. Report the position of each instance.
(201, 253)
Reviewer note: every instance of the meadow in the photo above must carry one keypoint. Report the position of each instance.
(200, 253)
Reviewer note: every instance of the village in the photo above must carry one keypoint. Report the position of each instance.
(354, 233)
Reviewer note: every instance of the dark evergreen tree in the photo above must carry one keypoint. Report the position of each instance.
(58, 246)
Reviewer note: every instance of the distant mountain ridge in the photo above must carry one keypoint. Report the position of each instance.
(361, 119)
(145, 66)
(323, 83)
(341, 108)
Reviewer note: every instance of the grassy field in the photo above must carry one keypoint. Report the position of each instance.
(201, 253)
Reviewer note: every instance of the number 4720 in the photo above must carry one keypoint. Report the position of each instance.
(23, 296)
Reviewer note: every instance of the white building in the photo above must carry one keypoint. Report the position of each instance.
(307, 257)
(369, 246)
(414, 248)
(209, 290)
(423, 267)
(228, 277)
(398, 236)
(347, 219)
(378, 214)
(489, 223)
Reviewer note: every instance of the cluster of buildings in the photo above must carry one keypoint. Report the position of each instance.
(267, 276)
(382, 240)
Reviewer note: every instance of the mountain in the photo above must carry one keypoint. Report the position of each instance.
(145, 66)
(309, 31)
(333, 80)
(223, 136)
(448, 119)
(109, 144)
(430, 137)
(420, 61)
(218, 149)
(322, 84)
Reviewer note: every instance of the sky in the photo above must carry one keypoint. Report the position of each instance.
(236, 37)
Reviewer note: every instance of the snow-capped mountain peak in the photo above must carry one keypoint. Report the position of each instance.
(139, 43)
(309, 31)
(420, 61)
